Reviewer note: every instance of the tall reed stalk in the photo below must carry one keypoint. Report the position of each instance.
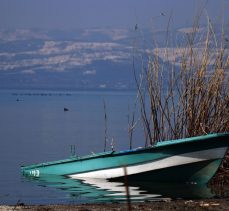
(187, 94)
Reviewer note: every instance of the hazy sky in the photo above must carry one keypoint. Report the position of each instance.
(59, 14)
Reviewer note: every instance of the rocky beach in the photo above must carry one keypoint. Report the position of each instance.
(213, 204)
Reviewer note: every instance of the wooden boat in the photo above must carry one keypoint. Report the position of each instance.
(190, 160)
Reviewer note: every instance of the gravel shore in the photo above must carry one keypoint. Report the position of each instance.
(211, 204)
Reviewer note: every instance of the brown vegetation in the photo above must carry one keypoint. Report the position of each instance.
(188, 93)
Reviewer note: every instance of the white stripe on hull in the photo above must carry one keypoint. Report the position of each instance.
(172, 161)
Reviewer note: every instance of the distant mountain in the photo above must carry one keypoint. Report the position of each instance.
(80, 59)
(97, 58)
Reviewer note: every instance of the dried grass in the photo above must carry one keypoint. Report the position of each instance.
(189, 95)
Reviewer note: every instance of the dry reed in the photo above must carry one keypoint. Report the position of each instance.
(188, 93)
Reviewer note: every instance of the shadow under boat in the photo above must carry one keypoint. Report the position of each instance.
(103, 190)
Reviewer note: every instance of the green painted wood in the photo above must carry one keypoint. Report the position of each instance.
(161, 150)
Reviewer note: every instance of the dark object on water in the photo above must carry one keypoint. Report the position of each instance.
(66, 109)
(136, 27)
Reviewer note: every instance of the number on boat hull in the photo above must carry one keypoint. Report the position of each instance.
(35, 173)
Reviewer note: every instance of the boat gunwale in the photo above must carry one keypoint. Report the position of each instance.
(161, 144)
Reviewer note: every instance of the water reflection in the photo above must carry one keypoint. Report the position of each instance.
(101, 190)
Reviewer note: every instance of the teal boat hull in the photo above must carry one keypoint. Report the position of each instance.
(191, 160)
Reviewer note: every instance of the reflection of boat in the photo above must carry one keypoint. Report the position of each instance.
(102, 190)
(192, 160)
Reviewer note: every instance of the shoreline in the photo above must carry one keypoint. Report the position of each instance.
(180, 204)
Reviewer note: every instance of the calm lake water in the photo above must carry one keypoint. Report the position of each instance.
(35, 128)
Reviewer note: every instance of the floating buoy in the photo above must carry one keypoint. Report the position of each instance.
(66, 109)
